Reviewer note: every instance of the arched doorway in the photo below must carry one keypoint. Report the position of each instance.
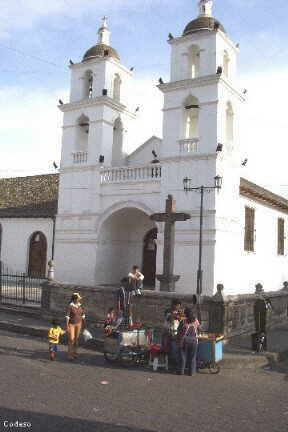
(149, 258)
(120, 244)
(37, 255)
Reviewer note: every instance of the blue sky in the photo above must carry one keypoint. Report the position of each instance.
(31, 30)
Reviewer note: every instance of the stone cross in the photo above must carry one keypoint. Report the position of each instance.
(168, 279)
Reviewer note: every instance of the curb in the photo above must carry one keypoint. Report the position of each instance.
(230, 361)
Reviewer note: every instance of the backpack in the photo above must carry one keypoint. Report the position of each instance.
(190, 336)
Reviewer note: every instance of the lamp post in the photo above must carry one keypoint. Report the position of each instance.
(187, 183)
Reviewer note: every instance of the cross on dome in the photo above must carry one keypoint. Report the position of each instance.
(104, 33)
(104, 19)
(205, 7)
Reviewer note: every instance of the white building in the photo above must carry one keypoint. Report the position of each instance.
(106, 198)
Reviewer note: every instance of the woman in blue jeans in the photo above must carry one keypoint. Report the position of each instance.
(187, 341)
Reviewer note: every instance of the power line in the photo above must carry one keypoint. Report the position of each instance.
(32, 56)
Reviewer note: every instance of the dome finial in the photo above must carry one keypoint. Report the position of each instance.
(104, 33)
(205, 7)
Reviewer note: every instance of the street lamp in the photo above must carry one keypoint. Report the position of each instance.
(188, 186)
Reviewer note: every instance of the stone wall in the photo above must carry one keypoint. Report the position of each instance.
(232, 315)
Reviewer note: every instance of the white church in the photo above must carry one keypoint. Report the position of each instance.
(93, 218)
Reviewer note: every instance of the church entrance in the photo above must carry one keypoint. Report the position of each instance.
(149, 258)
(120, 246)
(37, 255)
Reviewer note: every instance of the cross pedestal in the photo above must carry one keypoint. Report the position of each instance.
(168, 279)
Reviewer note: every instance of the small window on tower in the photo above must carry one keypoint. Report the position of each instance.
(226, 64)
(229, 123)
(194, 61)
(191, 118)
(89, 84)
(116, 87)
(249, 239)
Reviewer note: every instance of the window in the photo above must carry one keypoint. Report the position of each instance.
(116, 87)
(194, 61)
(226, 61)
(249, 239)
(117, 148)
(89, 84)
(281, 236)
(82, 134)
(229, 123)
(191, 118)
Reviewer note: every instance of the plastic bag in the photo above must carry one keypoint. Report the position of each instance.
(87, 335)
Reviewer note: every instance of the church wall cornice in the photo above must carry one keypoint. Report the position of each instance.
(97, 101)
(188, 156)
(201, 82)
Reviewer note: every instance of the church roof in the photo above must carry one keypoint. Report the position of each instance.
(37, 196)
(29, 197)
(101, 50)
(203, 23)
(262, 195)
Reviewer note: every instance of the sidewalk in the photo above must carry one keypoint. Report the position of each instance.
(237, 352)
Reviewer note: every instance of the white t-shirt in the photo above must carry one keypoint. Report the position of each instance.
(138, 276)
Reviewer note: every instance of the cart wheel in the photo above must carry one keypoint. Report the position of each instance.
(214, 369)
(109, 357)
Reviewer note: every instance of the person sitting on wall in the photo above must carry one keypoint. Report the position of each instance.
(136, 279)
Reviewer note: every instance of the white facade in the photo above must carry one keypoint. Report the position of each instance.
(16, 237)
(104, 208)
(106, 198)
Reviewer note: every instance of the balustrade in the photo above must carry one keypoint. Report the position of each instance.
(80, 157)
(189, 145)
(131, 174)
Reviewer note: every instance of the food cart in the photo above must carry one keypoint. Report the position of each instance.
(129, 345)
(210, 352)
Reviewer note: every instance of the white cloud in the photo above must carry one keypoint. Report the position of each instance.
(17, 14)
(266, 128)
(30, 131)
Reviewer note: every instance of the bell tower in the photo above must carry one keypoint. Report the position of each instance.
(96, 118)
(201, 100)
(201, 110)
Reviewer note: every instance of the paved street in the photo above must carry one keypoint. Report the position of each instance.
(70, 397)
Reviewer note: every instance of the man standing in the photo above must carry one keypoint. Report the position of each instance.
(124, 301)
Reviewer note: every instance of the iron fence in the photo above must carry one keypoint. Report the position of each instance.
(18, 288)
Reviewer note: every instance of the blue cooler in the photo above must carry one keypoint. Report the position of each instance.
(210, 350)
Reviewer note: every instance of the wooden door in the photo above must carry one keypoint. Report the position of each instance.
(37, 255)
(149, 258)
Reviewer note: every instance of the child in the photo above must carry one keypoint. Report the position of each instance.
(54, 334)
(136, 280)
(110, 321)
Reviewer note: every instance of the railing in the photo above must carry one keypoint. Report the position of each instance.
(131, 174)
(189, 145)
(19, 288)
(80, 157)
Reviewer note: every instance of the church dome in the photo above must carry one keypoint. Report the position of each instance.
(101, 50)
(203, 23)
